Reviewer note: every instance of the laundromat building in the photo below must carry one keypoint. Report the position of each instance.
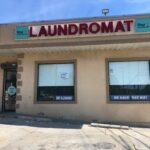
(80, 69)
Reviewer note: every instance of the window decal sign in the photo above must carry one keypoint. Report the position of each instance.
(64, 75)
(130, 97)
(11, 90)
(142, 25)
(66, 98)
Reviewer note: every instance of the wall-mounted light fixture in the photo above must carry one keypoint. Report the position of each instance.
(105, 11)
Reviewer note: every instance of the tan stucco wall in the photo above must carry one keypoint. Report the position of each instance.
(91, 88)
(3, 59)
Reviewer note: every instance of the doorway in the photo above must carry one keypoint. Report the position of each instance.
(9, 87)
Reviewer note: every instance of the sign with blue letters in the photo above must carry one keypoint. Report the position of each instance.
(142, 25)
(22, 32)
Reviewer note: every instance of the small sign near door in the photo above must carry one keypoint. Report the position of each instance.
(11, 90)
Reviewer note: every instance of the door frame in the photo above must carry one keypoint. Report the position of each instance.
(12, 66)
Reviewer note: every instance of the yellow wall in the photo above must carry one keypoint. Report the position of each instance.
(91, 88)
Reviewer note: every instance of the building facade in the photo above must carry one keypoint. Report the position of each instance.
(83, 69)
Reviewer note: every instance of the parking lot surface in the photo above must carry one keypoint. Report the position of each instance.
(24, 134)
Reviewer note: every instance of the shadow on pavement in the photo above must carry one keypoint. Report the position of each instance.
(34, 121)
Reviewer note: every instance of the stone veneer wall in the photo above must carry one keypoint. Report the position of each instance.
(19, 79)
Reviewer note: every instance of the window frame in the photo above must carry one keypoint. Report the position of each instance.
(107, 61)
(37, 63)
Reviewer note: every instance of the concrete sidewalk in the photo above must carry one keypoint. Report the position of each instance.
(24, 134)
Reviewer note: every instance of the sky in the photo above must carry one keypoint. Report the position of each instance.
(40, 10)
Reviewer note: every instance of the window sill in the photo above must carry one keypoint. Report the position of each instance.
(55, 102)
(128, 102)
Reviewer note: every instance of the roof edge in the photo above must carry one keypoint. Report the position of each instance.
(82, 19)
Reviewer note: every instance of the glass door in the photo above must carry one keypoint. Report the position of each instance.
(9, 92)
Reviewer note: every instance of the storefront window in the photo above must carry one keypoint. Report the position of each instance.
(129, 81)
(56, 82)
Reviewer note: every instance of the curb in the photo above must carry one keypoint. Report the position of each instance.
(109, 126)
